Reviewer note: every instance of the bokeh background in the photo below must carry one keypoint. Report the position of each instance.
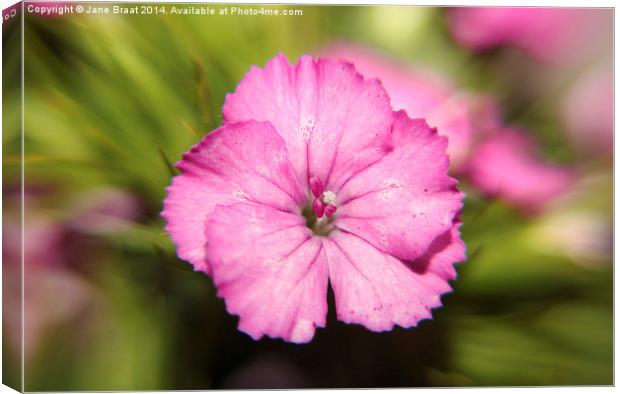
(111, 103)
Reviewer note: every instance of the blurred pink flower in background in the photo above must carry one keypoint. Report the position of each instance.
(588, 110)
(585, 237)
(54, 293)
(505, 166)
(551, 35)
(250, 207)
(578, 225)
(457, 114)
(43, 237)
(105, 211)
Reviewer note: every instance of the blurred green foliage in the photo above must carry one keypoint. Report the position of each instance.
(115, 100)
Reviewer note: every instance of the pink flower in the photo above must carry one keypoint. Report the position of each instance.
(314, 179)
(588, 110)
(52, 293)
(551, 35)
(105, 210)
(505, 165)
(422, 94)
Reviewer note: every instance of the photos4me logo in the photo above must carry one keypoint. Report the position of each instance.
(10, 12)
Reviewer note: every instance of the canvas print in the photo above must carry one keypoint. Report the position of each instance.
(281, 196)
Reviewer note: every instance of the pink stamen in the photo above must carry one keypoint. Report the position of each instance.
(330, 210)
(318, 207)
(316, 186)
(324, 201)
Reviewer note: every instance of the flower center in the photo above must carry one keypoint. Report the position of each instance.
(319, 213)
(319, 226)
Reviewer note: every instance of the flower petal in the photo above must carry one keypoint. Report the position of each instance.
(329, 116)
(237, 162)
(376, 290)
(270, 270)
(404, 201)
(442, 254)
